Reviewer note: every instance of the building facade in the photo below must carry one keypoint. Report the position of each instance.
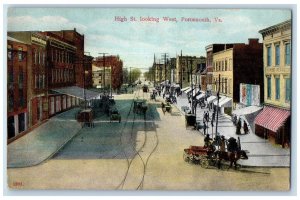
(37, 85)
(17, 69)
(186, 69)
(107, 72)
(277, 78)
(233, 66)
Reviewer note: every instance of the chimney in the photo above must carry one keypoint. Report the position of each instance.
(253, 41)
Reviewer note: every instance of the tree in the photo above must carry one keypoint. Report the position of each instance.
(135, 75)
(125, 75)
(147, 75)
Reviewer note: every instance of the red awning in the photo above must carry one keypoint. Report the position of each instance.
(272, 118)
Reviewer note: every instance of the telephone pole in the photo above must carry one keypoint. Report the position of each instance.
(103, 55)
(218, 97)
(181, 77)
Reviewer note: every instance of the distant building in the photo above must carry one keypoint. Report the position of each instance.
(210, 50)
(242, 63)
(186, 68)
(107, 72)
(274, 122)
(17, 69)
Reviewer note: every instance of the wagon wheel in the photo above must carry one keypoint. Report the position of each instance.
(204, 162)
(186, 157)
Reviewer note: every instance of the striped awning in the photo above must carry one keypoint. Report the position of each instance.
(272, 118)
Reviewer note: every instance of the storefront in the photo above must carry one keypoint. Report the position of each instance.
(274, 124)
(225, 105)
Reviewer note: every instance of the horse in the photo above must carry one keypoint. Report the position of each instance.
(232, 157)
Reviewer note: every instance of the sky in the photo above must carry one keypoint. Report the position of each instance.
(137, 41)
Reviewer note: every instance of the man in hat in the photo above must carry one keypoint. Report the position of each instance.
(223, 143)
(207, 141)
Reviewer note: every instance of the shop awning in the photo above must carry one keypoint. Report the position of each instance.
(220, 100)
(272, 118)
(77, 92)
(247, 110)
(227, 102)
(211, 98)
(202, 95)
(188, 90)
(184, 89)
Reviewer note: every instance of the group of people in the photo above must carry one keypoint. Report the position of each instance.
(239, 126)
(230, 144)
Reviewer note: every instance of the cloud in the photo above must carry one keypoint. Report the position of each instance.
(29, 23)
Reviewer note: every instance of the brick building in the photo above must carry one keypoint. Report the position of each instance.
(236, 64)
(37, 85)
(110, 69)
(77, 40)
(61, 55)
(17, 66)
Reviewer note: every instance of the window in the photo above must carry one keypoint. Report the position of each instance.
(287, 54)
(277, 55)
(269, 87)
(22, 98)
(20, 53)
(287, 89)
(21, 79)
(44, 58)
(277, 85)
(269, 56)
(225, 65)
(35, 57)
(36, 82)
(9, 52)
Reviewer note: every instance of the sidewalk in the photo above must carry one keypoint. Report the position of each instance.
(261, 152)
(43, 142)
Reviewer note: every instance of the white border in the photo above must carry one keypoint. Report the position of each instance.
(160, 3)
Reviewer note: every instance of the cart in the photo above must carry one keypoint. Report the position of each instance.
(200, 155)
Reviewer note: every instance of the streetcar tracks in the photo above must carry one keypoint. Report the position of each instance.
(141, 155)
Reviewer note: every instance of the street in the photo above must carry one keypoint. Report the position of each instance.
(139, 154)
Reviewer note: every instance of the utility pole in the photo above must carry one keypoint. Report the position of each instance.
(191, 69)
(218, 96)
(103, 54)
(181, 77)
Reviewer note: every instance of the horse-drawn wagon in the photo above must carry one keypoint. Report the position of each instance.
(200, 155)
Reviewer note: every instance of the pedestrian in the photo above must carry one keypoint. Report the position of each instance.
(213, 116)
(204, 129)
(245, 127)
(207, 141)
(223, 144)
(238, 127)
(207, 116)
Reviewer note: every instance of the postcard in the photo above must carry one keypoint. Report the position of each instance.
(166, 99)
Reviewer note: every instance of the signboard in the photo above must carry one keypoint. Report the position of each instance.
(249, 94)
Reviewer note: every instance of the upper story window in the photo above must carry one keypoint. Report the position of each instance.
(9, 52)
(287, 89)
(277, 54)
(277, 88)
(287, 54)
(269, 56)
(269, 87)
(35, 57)
(20, 53)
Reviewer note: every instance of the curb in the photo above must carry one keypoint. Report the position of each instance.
(47, 158)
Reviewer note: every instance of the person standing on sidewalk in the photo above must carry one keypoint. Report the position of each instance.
(238, 127)
(245, 127)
